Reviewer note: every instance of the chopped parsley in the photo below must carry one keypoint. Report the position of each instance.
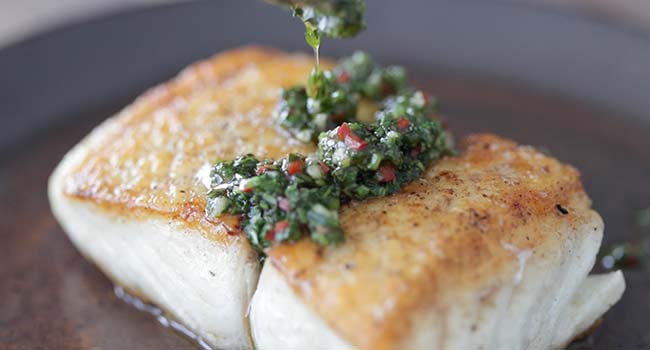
(376, 159)
(332, 97)
(361, 75)
(286, 199)
(328, 18)
(333, 19)
(280, 200)
(323, 104)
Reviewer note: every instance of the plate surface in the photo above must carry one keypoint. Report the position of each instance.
(577, 87)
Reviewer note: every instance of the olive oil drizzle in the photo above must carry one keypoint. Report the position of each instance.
(312, 37)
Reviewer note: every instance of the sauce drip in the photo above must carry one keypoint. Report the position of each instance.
(333, 19)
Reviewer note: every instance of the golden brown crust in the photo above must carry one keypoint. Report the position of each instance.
(401, 251)
(440, 236)
(144, 161)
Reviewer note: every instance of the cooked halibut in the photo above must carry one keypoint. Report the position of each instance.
(131, 195)
(490, 250)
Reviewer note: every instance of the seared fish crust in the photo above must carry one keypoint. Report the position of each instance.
(490, 250)
(131, 195)
(486, 251)
(148, 156)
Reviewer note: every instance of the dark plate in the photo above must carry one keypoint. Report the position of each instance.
(578, 87)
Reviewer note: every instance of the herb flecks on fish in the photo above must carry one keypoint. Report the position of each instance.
(333, 19)
(284, 200)
(333, 97)
(374, 134)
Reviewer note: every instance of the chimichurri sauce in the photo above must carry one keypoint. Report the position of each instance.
(327, 18)
(300, 195)
(332, 97)
(334, 19)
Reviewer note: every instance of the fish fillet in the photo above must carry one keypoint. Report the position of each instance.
(489, 250)
(479, 254)
(131, 195)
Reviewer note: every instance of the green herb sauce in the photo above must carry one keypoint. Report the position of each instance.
(280, 200)
(327, 18)
(284, 200)
(332, 97)
(296, 196)
(334, 19)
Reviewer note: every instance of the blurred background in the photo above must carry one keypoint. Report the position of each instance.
(21, 18)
